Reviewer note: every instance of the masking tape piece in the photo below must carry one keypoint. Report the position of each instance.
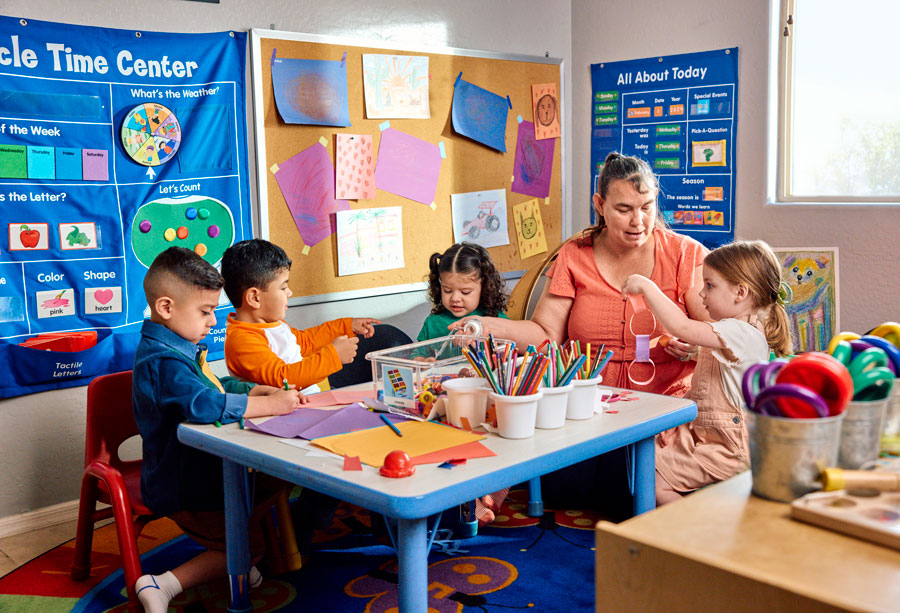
(305, 249)
(384, 125)
(324, 141)
(273, 168)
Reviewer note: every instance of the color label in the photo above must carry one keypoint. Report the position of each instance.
(605, 120)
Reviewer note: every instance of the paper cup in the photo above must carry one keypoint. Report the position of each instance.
(583, 398)
(466, 397)
(551, 410)
(516, 415)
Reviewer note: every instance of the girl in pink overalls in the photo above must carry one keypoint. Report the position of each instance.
(743, 294)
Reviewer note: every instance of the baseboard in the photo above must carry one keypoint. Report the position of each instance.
(39, 518)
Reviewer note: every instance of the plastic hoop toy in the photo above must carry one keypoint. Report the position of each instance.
(823, 375)
(766, 401)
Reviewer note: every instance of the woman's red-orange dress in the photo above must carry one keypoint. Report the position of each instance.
(599, 315)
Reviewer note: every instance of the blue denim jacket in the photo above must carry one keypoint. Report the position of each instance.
(169, 388)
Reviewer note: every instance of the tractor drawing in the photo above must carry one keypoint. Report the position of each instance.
(486, 220)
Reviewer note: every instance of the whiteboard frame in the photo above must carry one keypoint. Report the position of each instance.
(262, 196)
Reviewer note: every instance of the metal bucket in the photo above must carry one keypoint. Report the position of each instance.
(861, 432)
(890, 431)
(787, 455)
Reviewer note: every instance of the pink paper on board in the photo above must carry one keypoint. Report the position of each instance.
(307, 184)
(355, 167)
(407, 166)
(94, 165)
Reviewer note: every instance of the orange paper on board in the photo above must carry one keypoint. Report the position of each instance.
(419, 438)
(545, 102)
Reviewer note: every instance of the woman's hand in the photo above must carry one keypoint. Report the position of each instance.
(488, 325)
(682, 351)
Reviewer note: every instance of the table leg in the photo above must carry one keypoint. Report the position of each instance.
(412, 565)
(237, 537)
(644, 475)
(535, 503)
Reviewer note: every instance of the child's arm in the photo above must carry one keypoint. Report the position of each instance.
(670, 315)
(364, 326)
(318, 337)
(275, 402)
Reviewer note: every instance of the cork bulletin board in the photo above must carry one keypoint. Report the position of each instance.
(468, 166)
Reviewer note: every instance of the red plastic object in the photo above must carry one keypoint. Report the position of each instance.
(821, 373)
(397, 464)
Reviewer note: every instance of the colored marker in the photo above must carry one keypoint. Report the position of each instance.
(390, 424)
(286, 388)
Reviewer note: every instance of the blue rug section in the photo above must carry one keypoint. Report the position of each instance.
(537, 564)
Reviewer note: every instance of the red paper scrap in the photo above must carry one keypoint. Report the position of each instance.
(352, 463)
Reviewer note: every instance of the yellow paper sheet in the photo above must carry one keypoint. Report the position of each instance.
(529, 228)
(419, 437)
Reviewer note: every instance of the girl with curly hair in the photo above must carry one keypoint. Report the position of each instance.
(463, 282)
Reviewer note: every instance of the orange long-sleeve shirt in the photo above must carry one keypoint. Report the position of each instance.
(269, 353)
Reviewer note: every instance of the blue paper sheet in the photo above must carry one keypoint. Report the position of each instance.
(480, 114)
(311, 92)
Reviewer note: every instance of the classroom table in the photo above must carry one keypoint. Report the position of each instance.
(724, 549)
(412, 500)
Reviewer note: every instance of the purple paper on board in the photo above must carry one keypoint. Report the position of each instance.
(291, 425)
(94, 166)
(352, 417)
(312, 92)
(480, 114)
(407, 166)
(533, 167)
(307, 184)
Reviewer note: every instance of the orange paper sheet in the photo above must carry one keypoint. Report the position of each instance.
(419, 438)
(468, 451)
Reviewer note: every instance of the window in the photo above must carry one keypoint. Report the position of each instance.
(837, 125)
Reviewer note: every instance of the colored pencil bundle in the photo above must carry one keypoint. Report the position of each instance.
(506, 374)
(568, 362)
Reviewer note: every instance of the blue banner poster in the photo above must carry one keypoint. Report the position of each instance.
(114, 145)
(679, 113)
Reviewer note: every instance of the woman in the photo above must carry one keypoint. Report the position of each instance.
(582, 299)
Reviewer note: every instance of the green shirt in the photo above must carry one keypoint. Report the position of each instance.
(435, 325)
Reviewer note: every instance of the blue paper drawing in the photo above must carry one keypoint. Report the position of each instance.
(311, 92)
(480, 114)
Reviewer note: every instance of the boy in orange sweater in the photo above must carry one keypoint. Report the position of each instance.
(259, 345)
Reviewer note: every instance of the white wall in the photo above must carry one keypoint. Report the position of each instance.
(866, 236)
(42, 435)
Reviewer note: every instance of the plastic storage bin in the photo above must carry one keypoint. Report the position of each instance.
(402, 373)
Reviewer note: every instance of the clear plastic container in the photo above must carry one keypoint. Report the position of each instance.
(402, 373)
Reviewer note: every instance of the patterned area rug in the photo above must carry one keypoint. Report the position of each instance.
(516, 563)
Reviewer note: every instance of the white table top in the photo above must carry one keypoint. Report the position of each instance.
(432, 489)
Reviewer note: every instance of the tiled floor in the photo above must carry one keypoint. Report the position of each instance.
(18, 549)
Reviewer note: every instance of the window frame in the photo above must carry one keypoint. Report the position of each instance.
(780, 103)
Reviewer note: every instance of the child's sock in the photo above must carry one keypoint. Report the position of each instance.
(155, 591)
(254, 578)
(482, 513)
(495, 500)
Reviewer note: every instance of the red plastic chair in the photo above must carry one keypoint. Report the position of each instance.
(109, 479)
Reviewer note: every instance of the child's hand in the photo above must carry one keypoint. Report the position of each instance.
(635, 284)
(263, 390)
(681, 350)
(364, 326)
(346, 348)
(284, 401)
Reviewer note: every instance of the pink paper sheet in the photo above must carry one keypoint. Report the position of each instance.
(407, 166)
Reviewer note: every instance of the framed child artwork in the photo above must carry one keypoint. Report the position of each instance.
(813, 310)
